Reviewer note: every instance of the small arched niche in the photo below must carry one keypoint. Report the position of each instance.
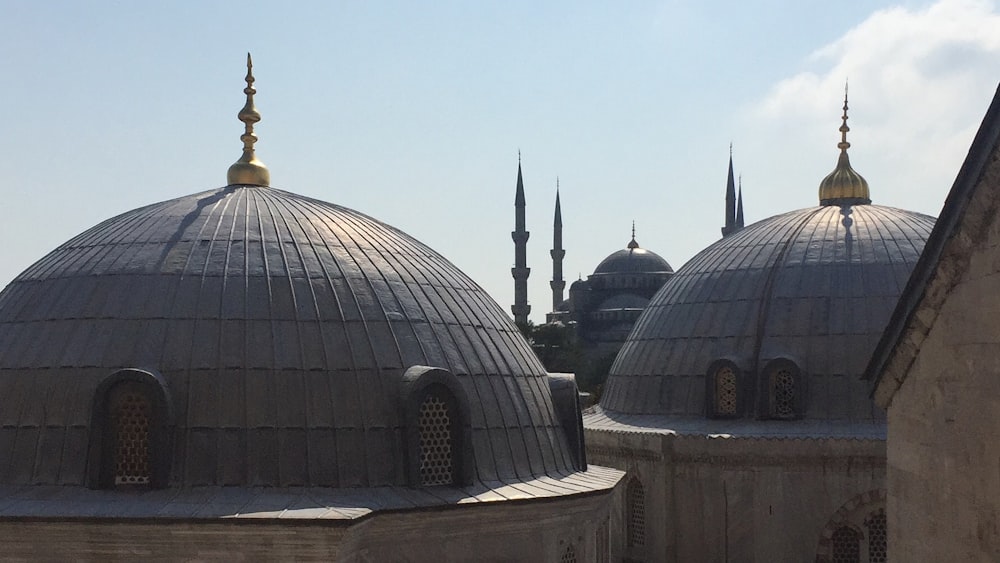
(130, 427)
(438, 435)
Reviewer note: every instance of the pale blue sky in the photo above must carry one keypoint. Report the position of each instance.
(414, 113)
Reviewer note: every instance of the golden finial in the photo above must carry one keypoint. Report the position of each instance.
(248, 170)
(844, 186)
(843, 145)
(632, 245)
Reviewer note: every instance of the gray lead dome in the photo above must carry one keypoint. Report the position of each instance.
(813, 288)
(281, 327)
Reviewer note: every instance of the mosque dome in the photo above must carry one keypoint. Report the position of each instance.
(288, 341)
(633, 260)
(776, 320)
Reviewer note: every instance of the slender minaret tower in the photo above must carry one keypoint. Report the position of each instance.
(520, 271)
(557, 284)
(739, 206)
(730, 225)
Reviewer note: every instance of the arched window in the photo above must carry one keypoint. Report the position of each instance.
(785, 392)
(846, 545)
(435, 410)
(635, 517)
(436, 440)
(131, 418)
(568, 556)
(876, 536)
(130, 428)
(722, 389)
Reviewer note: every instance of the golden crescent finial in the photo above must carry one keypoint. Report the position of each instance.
(844, 186)
(248, 170)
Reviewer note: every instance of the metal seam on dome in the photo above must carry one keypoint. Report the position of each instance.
(764, 308)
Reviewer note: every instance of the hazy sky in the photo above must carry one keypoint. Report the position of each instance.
(413, 112)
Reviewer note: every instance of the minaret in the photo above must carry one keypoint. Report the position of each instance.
(730, 225)
(520, 271)
(739, 206)
(557, 284)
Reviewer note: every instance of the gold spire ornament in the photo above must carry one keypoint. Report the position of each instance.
(844, 186)
(248, 170)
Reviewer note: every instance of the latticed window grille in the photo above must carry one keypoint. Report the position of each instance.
(846, 543)
(725, 390)
(876, 536)
(603, 543)
(568, 556)
(436, 466)
(636, 517)
(783, 393)
(130, 414)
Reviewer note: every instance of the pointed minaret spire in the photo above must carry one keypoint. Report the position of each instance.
(739, 206)
(520, 271)
(730, 224)
(557, 284)
(248, 170)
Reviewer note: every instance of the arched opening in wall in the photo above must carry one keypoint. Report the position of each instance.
(635, 515)
(785, 392)
(846, 545)
(877, 543)
(131, 413)
(130, 423)
(569, 555)
(437, 443)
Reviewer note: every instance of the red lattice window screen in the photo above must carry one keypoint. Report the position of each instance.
(130, 418)
(436, 467)
(725, 391)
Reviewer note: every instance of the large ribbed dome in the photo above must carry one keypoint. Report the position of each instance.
(808, 292)
(281, 327)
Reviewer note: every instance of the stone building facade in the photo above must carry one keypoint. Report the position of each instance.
(936, 373)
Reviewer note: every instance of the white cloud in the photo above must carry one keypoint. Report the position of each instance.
(920, 82)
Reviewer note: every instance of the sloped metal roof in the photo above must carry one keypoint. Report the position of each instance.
(815, 285)
(281, 325)
(298, 504)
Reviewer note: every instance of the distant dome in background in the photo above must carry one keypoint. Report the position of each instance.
(633, 260)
